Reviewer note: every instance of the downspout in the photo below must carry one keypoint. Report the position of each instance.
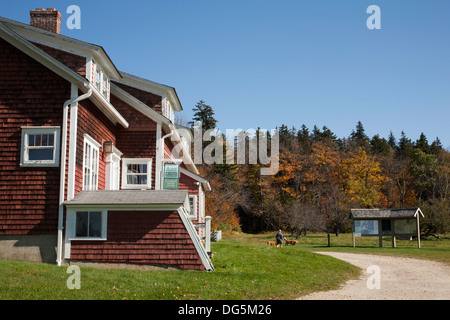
(62, 179)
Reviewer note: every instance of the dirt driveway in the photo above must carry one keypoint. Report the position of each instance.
(399, 279)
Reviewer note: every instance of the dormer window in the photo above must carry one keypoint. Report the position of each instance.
(101, 81)
(167, 110)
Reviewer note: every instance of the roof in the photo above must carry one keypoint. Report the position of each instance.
(129, 197)
(385, 213)
(63, 42)
(62, 70)
(152, 87)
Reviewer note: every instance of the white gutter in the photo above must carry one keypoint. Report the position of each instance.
(62, 179)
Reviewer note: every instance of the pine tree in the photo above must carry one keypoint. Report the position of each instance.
(359, 136)
(405, 145)
(392, 142)
(422, 143)
(380, 145)
(204, 113)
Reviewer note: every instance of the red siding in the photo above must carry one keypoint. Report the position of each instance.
(139, 139)
(152, 100)
(93, 122)
(141, 237)
(187, 183)
(30, 95)
(75, 62)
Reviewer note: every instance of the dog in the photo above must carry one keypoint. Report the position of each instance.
(271, 243)
(293, 242)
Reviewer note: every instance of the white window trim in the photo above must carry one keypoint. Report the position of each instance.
(192, 213)
(24, 162)
(95, 145)
(127, 161)
(103, 77)
(72, 225)
(112, 164)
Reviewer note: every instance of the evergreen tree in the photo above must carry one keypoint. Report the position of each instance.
(392, 142)
(204, 113)
(422, 143)
(436, 147)
(380, 145)
(405, 145)
(359, 136)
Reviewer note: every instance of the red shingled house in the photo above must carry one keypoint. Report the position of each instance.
(87, 172)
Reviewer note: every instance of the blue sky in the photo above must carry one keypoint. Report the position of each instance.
(265, 63)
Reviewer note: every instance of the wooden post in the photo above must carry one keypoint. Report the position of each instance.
(394, 245)
(418, 231)
(353, 234)
(380, 234)
(208, 234)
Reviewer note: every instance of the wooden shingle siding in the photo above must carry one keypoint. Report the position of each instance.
(93, 122)
(30, 95)
(137, 237)
(139, 140)
(187, 183)
(152, 100)
(75, 62)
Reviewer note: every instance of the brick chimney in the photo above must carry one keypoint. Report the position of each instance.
(49, 19)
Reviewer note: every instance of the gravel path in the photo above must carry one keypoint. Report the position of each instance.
(400, 279)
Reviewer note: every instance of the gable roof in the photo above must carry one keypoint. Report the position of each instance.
(63, 71)
(385, 213)
(64, 43)
(152, 87)
(138, 104)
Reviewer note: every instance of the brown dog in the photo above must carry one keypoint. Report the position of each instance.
(293, 242)
(271, 243)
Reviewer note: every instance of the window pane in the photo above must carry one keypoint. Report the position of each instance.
(95, 224)
(131, 179)
(31, 140)
(137, 168)
(40, 154)
(51, 139)
(82, 224)
(37, 140)
(45, 139)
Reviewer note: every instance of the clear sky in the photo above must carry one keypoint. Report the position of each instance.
(265, 63)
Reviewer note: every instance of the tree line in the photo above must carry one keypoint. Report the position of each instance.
(321, 177)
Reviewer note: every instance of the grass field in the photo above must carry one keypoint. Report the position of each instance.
(245, 268)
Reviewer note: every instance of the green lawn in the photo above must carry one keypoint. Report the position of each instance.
(246, 268)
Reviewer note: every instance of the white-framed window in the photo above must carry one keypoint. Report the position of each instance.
(90, 163)
(101, 81)
(136, 173)
(40, 146)
(167, 110)
(193, 206)
(87, 224)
